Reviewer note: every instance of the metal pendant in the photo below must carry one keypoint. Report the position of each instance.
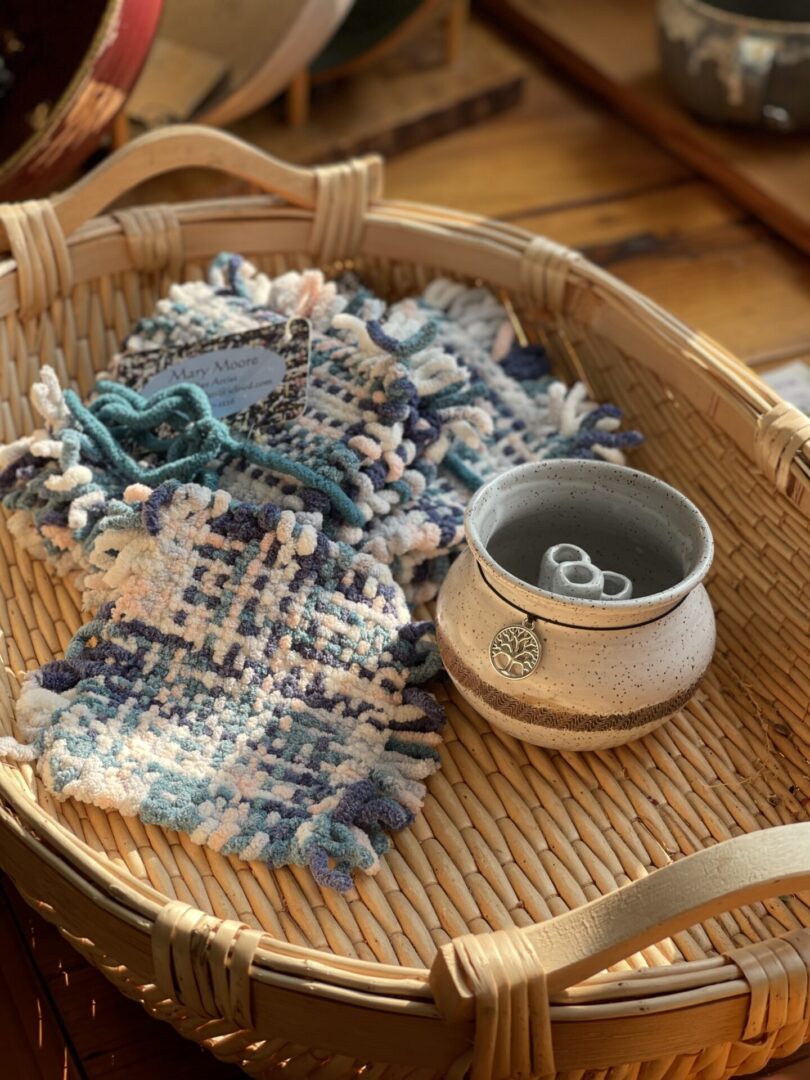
(515, 650)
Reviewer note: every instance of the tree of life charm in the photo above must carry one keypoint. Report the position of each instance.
(515, 650)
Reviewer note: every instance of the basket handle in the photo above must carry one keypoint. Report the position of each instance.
(186, 146)
(35, 231)
(580, 943)
(189, 146)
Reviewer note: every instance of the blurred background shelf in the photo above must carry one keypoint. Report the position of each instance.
(252, 48)
(564, 164)
(389, 107)
(611, 48)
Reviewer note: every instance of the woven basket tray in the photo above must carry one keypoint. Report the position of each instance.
(495, 922)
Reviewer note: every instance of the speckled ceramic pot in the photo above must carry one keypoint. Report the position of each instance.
(570, 673)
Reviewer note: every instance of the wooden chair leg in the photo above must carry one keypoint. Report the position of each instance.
(297, 103)
(454, 24)
(119, 131)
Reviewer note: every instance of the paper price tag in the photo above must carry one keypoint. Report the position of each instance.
(255, 379)
(234, 379)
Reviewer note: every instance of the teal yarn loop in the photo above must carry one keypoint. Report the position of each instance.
(203, 439)
(119, 415)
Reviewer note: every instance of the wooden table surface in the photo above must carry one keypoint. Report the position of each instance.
(562, 165)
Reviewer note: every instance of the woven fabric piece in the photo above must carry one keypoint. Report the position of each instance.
(66, 480)
(383, 410)
(383, 403)
(248, 685)
(370, 441)
(410, 408)
(502, 409)
(533, 416)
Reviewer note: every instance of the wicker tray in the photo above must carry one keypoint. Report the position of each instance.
(494, 918)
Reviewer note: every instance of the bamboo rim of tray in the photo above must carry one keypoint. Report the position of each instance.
(426, 1013)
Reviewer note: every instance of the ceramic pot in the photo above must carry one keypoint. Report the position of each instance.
(578, 674)
(739, 61)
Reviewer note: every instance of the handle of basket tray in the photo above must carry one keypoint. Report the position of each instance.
(195, 146)
(571, 947)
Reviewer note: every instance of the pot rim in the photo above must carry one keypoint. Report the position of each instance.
(532, 600)
(751, 23)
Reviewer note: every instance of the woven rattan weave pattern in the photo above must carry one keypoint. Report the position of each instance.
(511, 835)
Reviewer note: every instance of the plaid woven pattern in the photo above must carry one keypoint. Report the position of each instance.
(383, 403)
(384, 407)
(248, 686)
(531, 416)
(410, 408)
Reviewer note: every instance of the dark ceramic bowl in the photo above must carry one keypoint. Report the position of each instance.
(739, 61)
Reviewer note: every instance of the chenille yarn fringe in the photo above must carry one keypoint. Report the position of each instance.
(69, 478)
(382, 414)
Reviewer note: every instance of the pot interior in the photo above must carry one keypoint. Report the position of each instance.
(651, 565)
(625, 520)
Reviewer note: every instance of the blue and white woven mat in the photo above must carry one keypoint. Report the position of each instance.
(249, 685)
